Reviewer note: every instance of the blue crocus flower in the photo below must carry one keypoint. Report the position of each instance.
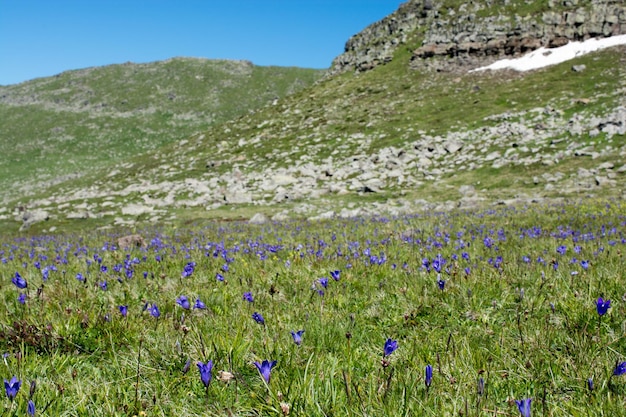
(524, 406)
(31, 408)
(602, 306)
(188, 269)
(199, 304)
(390, 347)
(428, 378)
(441, 283)
(19, 282)
(12, 387)
(183, 302)
(154, 311)
(297, 337)
(265, 369)
(123, 310)
(335, 274)
(258, 318)
(323, 282)
(21, 298)
(620, 369)
(205, 372)
(247, 296)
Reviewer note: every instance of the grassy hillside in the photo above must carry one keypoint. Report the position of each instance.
(68, 125)
(393, 139)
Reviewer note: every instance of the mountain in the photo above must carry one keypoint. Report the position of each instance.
(62, 127)
(399, 124)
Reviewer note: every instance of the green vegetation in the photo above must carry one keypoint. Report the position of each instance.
(517, 310)
(102, 116)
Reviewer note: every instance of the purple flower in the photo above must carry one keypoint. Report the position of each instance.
(390, 347)
(199, 304)
(186, 367)
(265, 369)
(31, 408)
(80, 277)
(590, 384)
(247, 296)
(602, 306)
(584, 264)
(219, 277)
(19, 282)
(620, 369)
(21, 298)
(524, 406)
(428, 376)
(12, 387)
(323, 282)
(335, 274)
(123, 310)
(103, 285)
(205, 372)
(154, 311)
(258, 318)
(183, 302)
(297, 336)
(441, 283)
(188, 269)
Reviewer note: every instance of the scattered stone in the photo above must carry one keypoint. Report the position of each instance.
(258, 218)
(131, 241)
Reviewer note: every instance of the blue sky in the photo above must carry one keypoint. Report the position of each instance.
(40, 38)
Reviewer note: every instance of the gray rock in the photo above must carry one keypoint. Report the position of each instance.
(258, 218)
(31, 217)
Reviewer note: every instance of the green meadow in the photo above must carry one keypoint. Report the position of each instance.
(502, 304)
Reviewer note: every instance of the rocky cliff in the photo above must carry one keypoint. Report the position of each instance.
(476, 33)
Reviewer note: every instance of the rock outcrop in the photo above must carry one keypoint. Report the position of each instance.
(465, 38)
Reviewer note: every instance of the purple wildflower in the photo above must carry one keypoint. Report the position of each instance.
(154, 311)
(265, 369)
(620, 369)
(258, 318)
(183, 302)
(12, 387)
(428, 378)
(297, 337)
(602, 306)
(19, 282)
(524, 406)
(205, 372)
(390, 347)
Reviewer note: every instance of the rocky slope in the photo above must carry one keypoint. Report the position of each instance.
(389, 138)
(477, 33)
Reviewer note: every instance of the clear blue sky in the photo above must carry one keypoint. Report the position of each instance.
(40, 38)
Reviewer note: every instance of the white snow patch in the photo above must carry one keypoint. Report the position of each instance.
(544, 57)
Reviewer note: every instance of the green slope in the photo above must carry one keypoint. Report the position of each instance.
(67, 125)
